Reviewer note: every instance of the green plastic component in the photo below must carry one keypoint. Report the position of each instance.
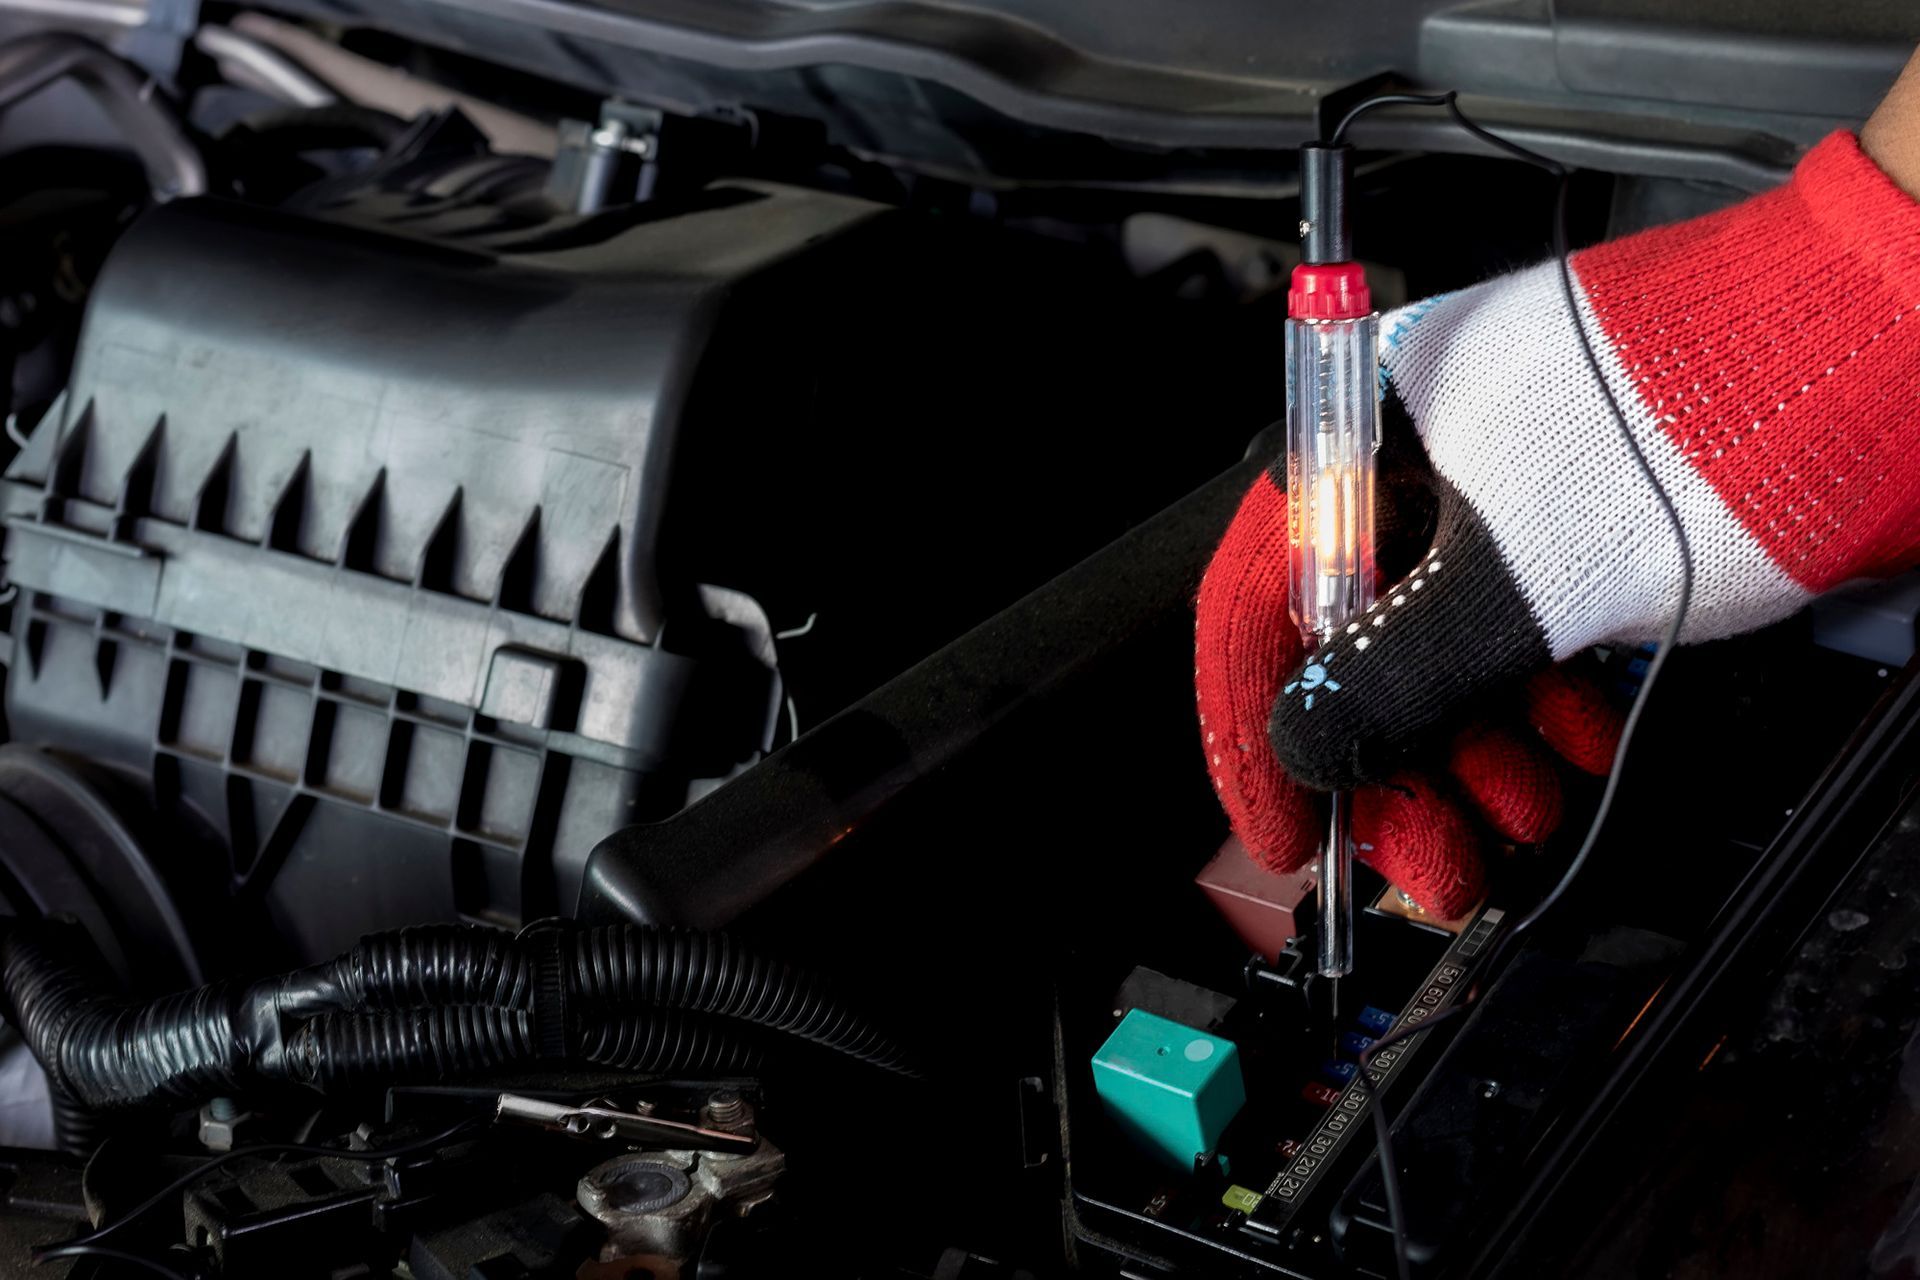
(1173, 1090)
(1240, 1199)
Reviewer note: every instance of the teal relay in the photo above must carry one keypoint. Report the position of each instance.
(1173, 1089)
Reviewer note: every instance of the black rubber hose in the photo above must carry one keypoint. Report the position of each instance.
(435, 965)
(76, 1130)
(615, 967)
(101, 1050)
(667, 1041)
(426, 1003)
(354, 1050)
(422, 1046)
(104, 1051)
(629, 965)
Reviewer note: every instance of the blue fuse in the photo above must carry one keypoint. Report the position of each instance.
(1354, 1043)
(1374, 1022)
(1340, 1071)
(1628, 682)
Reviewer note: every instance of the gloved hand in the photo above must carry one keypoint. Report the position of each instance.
(1417, 829)
(1768, 364)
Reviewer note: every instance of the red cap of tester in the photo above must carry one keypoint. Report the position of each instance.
(1329, 291)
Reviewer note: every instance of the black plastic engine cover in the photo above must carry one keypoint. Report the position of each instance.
(347, 542)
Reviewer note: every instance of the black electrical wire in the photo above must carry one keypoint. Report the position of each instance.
(89, 1244)
(140, 1260)
(1383, 1129)
(1339, 134)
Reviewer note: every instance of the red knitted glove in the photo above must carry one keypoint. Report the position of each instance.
(1765, 367)
(1415, 830)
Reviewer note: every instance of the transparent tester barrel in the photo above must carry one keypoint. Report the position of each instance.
(1333, 438)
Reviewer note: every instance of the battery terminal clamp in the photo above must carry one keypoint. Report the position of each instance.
(604, 1121)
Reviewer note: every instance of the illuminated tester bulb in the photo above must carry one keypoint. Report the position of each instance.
(1333, 419)
(1333, 433)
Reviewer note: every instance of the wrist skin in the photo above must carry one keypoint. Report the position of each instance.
(1891, 136)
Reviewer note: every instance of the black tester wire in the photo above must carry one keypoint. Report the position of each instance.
(1382, 1126)
(90, 1244)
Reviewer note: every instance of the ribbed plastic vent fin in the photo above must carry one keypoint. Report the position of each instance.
(600, 595)
(442, 550)
(70, 455)
(136, 487)
(290, 506)
(210, 504)
(362, 538)
(105, 651)
(520, 574)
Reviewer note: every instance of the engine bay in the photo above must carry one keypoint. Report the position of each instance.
(601, 687)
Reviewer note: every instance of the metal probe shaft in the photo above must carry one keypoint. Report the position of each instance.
(1336, 893)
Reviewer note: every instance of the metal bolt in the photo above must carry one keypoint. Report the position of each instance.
(725, 1107)
(220, 1120)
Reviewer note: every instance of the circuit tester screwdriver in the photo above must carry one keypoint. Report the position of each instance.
(1333, 438)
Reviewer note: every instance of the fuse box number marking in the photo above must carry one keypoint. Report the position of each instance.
(1443, 986)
